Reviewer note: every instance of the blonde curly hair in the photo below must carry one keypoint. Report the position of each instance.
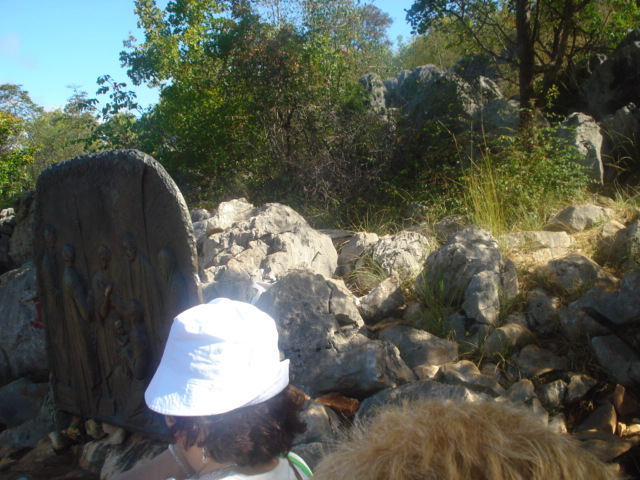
(435, 440)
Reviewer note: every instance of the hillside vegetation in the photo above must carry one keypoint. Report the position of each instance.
(262, 100)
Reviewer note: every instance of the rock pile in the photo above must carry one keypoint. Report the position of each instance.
(438, 317)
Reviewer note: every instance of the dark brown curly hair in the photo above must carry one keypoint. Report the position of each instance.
(247, 436)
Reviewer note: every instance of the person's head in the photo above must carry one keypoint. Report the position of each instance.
(129, 245)
(223, 387)
(50, 236)
(69, 253)
(104, 254)
(431, 440)
(135, 311)
(119, 327)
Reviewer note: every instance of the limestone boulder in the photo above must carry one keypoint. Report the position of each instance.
(22, 335)
(620, 306)
(418, 347)
(577, 218)
(353, 250)
(618, 358)
(376, 92)
(614, 83)
(467, 374)
(382, 302)
(7, 224)
(248, 245)
(323, 336)
(21, 242)
(582, 132)
(423, 389)
(467, 271)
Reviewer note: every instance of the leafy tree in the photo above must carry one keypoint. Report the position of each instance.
(61, 134)
(15, 156)
(17, 102)
(249, 104)
(538, 39)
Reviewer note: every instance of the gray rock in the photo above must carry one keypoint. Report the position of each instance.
(576, 271)
(22, 336)
(576, 325)
(579, 385)
(469, 335)
(7, 224)
(448, 226)
(534, 361)
(199, 215)
(552, 394)
(507, 338)
(577, 218)
(229, 214)
(465, 373)
(611, 242)
(27, 434)
(627, 242)
(403, 254)
(376, 92)
(20, 401)
(382, 302)
(604, 446)
(414, 314)
(608, 89)
(312, 453)
(616, 357)
(618, 307)
(259, 245)
(602, 419)
(359, 370)
(21, 242)
(418, 347)
(467, 272)
(521, 392)
(500, 116)
(353, 250)
(430, 93)
(93, 455)
(558, 241)
(426, 371)
(423, 389)
(620, 142)
(324, 346)
(541, 308)
(582, 132)
(558, 424)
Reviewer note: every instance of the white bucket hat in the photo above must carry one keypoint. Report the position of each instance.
(219, 356)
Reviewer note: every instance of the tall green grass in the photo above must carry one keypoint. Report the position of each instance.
(518, 184)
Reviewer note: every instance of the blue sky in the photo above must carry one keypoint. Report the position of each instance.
(48, 46)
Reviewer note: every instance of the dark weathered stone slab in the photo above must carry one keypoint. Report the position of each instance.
(116, 260)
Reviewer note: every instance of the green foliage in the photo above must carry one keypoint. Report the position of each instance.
(438, 303)
(61, 134)
(258, 109)
(521, 180)
(15, 156)
(442, 45)
(538, 40)
(17, 102)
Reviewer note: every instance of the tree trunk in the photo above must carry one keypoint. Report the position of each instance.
(526, 61)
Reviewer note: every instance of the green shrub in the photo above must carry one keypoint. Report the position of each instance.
(519, 182)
